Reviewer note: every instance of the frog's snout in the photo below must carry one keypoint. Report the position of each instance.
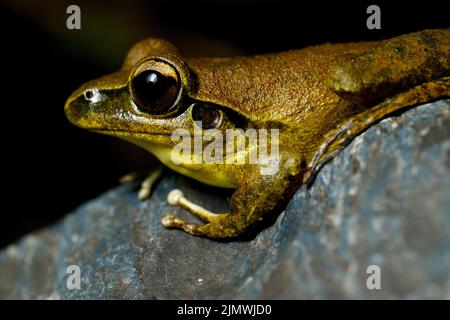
(78, 107)
(69, 110)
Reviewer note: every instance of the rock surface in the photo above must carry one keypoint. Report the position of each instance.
(383, 201)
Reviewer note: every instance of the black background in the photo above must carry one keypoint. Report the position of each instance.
(50, 167)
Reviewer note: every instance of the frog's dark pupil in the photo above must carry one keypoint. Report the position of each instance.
(154, 92)
(208, 115)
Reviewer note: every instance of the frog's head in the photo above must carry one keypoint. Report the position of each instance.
(151, 96)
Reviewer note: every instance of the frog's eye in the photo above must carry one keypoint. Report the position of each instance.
(155, 87)
(209, 116)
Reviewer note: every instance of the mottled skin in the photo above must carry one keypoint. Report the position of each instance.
(319, 97)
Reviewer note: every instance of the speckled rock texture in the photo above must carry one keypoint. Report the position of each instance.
(384, 201)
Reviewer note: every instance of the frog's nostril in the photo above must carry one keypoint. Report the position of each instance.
(92, 95)
(88, 94)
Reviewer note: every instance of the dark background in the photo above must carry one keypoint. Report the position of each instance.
(50, 167)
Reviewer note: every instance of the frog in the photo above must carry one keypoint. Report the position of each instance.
(318, 98)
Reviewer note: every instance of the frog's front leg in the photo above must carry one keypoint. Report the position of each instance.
(256, 196)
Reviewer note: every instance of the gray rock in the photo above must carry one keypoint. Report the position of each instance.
(383, 201)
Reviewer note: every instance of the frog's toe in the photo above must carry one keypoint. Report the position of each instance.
(177, 198)
(129, 177)
(144, 192)
(172, 222)
(146, 187)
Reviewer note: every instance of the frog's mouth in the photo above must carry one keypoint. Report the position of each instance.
(128, 133)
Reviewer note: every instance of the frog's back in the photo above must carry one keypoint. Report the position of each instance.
(273, 87)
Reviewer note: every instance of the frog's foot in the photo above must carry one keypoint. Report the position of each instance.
(323, 154)
(216, 226)
(225, 226)
(337, 139)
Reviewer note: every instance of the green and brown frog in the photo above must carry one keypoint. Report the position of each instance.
(318, 99)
